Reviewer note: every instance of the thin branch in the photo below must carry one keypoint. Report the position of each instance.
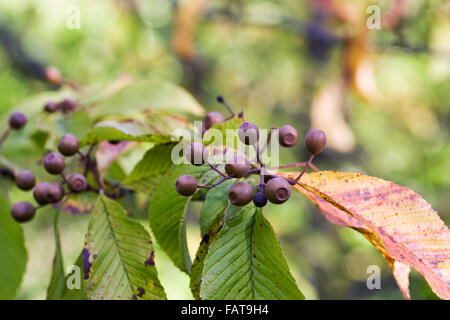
(295, 165)
(222, 101)
(4, 136)
(308, 163)
(215, 169)
(214, 184)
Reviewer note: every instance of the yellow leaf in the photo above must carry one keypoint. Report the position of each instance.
(395, 219)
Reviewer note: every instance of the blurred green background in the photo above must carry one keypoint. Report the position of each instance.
(381, 95)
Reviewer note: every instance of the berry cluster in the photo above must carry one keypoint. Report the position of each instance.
(55, 163)
(271, 188)
(45, 192)
(66, 105)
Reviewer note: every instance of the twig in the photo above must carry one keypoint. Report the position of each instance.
(295, 165)
(4, 136)
(222, 101)
(214, 184)
(308, 163)
(215, 169)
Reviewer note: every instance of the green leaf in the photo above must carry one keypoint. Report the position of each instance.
(58, 288)
(57, 281)
(245, 261)
(141, 94)
(131, 131)
(167, 215)
(75, 294)
(232, 124)
(118, 256)
(13, 255)
(150, 169)
(216, 202)
(211, 220)
(157, 127)
(197, 266)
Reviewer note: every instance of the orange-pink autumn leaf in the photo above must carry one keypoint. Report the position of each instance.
(107, 153)
(395, 219)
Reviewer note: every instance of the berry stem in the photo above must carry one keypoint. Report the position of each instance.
(64, 178)
(56, 233)
(269, 137)
(258, 155)
(4, 136)
(214, 184)
(215, 169)
(295, 165)
(111, 195)
(261, 178)
(222, 101)
(261, 150)
(308, 163)
(87, 160)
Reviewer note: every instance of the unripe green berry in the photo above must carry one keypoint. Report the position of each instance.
(212, 118)
(77, 183)
(54, 163)
(196, 153)
(68, 145)
(23, 211)
(17, 120)
(287, 136)
(240, 194)
(25, 180)
(248, 133)
(277, 190)
(186, 185)
(237, 167)
(315, 141)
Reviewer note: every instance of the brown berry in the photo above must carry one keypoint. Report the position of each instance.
(40, 193)
(51, 107)
(23, 211)
(68, 145)
(196, 153)
(315, 141)
(238, 167)
(67, 105)
(248, 133)
(277, 190)
(55, 193)
(17, 120)
(240, 194)
(186, 185)
(54, 163)
(211, 119)
(287, 136)
(25, 180)
(77, 183)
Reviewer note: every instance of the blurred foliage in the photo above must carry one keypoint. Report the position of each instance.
(296, 62)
